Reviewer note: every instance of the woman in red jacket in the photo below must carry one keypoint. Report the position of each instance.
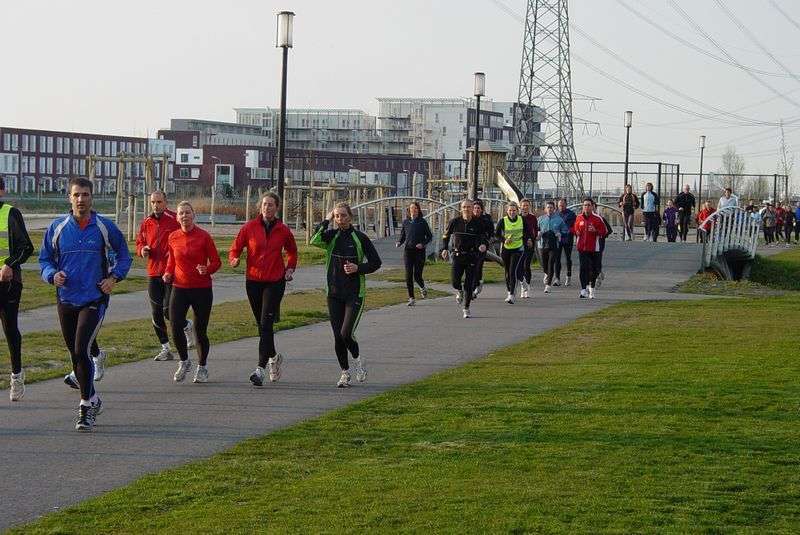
(192, 259)
(589, 229)
(266, 238)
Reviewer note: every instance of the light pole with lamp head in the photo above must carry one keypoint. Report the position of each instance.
(628, 123)
(283, 39)
(700, 189)
(480, 90)
(214, 189)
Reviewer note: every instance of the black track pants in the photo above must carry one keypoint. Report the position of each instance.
(200, 300)
(10, 293)
(591, 265)
(79, 326)
(265, 302)
(566, 250)
(512, 264)
(549, 259)
(414, 260)
(159, 293)
(464, 268)
(684, 217)
(345, 315)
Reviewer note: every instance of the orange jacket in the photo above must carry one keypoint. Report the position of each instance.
(187, 250)
(154, 233)
(265, 249)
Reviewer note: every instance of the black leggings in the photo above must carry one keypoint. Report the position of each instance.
(768, 234)
(10, 293)
(684, 217)
(79, 326)
(549, 259)
(672, 232)
(201, 300)
(265, 302)
(512, 264)
(628, 224)
(159, 293)
(414, 260)
(787, 230)
(591, 265)
(464, 267)
(527, 260)
(566, 248)
(480, 258)
(345, 315)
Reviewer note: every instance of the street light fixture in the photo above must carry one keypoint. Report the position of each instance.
(628, 123)
(283, 39)
(702, 145)
(479, 91)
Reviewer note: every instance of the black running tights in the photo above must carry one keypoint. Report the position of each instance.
(414, 260)
(200, 300)
(344, 316)
(79, 326)
(265, 302)
(10, 293)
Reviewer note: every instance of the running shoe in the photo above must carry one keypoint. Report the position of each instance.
(424, 292)
(544, 279)
(510, 298)
(274, 365)
(547, 288)
(344, 380)
(201, 375)
(583, 294)
(257, 377)
(99, 366)
(599, 281)
(459, 296)
(411, 302)
(567, 280)
(189, 332)
(466, 313)
(71, 381)
(361, 370)
(183, 368)
(17, 386)
(557, 282)
(479, 287)
(84, 421)
(97, 408)
(164, 355)
(525, 294)
(591, 292)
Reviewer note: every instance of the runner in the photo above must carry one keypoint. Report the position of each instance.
(266, 238)
(551, 228)
(532, 229)
(84, 255)
(349, 256)
(469, 241)
(671, 221)
(487, 229)
(650, 203)
(588, 229)
(629, 203)
(151, 243)
(788, 223)
(565, 244)
(15, 248)
(416, 235)
(192, 258)
(512, 232)
(685, 202)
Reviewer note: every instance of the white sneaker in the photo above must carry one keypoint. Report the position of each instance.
(547, 288)
(466, 313)
(189, 332)
(583, 294)
(164, 355)
(510, 298)
(361, 370)
(567, 280)
(525, 294)
(411, 302)
(201, 375)
(274, 366)
(459, 296)
(591, 292)
(344, 380)
(17, 386)
(557, 282)
(599, 280)
(183, 368)
(257, 377)
(544, 279)
(99, 366)
(424, 292)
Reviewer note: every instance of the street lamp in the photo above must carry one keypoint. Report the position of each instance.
(480, 90)
(628, 123)
(283, 39)
(700, 189)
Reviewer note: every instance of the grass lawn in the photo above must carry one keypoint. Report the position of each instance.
(45, 357)
(440, 272)
(37, 293)
(604, 425)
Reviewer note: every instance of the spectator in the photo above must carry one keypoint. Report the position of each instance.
(728, 199)
(685, 202)
(788, 223)
(650, 204)
(779, 213)
(629, 203)
(671, 221)
(769, 220)
(702, 229)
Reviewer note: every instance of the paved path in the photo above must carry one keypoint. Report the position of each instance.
(151, 423)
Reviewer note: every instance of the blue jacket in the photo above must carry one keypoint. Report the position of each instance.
(569, 219)
(549, 228)
(82, 255)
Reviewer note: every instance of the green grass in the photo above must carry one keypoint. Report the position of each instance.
(604, 425)
(439, 272)
(37, 293)
(45, 357)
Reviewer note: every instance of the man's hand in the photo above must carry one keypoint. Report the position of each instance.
(234, 262)
(350, 268)
(420, 246)
(397, 244)
(6, 274)
(106, 285)
(201, 269)
(289, 275)
(59, 279)
(329, 217)
(145, 251)
(445, 254)
(167, 278)
(530, 243)
(482, 248)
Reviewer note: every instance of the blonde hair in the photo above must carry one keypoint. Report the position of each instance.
(184, 203)
(345, 206)
(512, 204)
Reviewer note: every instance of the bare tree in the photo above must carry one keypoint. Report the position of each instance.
(785, 158)
(732, 165)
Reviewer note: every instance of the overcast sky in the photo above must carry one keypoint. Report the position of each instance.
(128, 67)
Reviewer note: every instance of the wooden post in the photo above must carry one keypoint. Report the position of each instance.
(120, 187)
(247, 204)
(213, 202)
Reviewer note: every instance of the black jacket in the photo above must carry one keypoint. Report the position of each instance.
(415, 232)
(19, 246)
(657, 200)
(467, 235)
(685, 201)
(340, 284)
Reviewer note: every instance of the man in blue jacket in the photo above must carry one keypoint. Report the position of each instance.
(565, 243)
(84, 255)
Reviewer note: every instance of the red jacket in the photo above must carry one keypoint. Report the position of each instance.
(265, 250)
(187, 250)
(532, 223)
(702, 215)
(589, 229)
(154, 232)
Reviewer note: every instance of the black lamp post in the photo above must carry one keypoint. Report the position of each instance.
(480, 90)
(700, 189)
(283, 39)
(628, 123)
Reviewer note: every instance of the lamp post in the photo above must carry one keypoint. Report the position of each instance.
(283, 39)
(480, 90)
(700, 189)
(628, 123)
(214, 189)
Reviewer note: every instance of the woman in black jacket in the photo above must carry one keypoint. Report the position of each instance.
(416, 235)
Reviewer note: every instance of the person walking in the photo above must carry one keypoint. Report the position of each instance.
(487, 230)
(469, 241)
(685, 202)
(788, 223)
(415, 235)
(151, 244)
(512, 233)
(529, 252)
(671, 221)
(797, 223)
(768, 221)
(266, 239)
(728, 199)
(551, 228)
(650, 203)
(15, 249)
(349, 257)
(779, 221)
(702, 215)
(629, 202)
(192, 259)
(565, 243)
(589, 229)
(83, 255)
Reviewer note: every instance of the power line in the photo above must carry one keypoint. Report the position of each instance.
(785, 15)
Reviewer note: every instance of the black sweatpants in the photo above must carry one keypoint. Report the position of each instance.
(566, 249)
(684, 217)
(345, 315)
(200, 300)
(591, 265)
(480, 258)
(651, 225)
(414, 260)
(512, 267)
(549, 259)
(768, 234)
(672, 232)
(464, 268)
(79, 326)
(265, 302)
(628, 224)
(527, 259)
(787, 230)
(159, 293)
(10, 293)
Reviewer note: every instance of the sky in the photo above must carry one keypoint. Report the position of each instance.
(129, 67)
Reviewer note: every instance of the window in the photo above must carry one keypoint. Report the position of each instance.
(59, 145)
(444, 130)
(184, 172)
(24, 141)
(114, 148)
(33, 144)
(91, 146)
(76, 167)
(6, 141)
(194, 141)
(66, 146)
(42, 164)
(49, 165)
(436, 117)
(76, 146)
(107, 148)
(184, 158)
(43, 143)
(49, 144)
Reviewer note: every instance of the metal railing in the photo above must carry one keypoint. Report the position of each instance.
(731, 229)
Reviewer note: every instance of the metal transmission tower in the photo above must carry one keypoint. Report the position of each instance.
(545, 100)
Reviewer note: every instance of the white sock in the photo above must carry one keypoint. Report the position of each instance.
(85, 403)
(94, 399)
(202, 367)
(16, 375)
(165, 346)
